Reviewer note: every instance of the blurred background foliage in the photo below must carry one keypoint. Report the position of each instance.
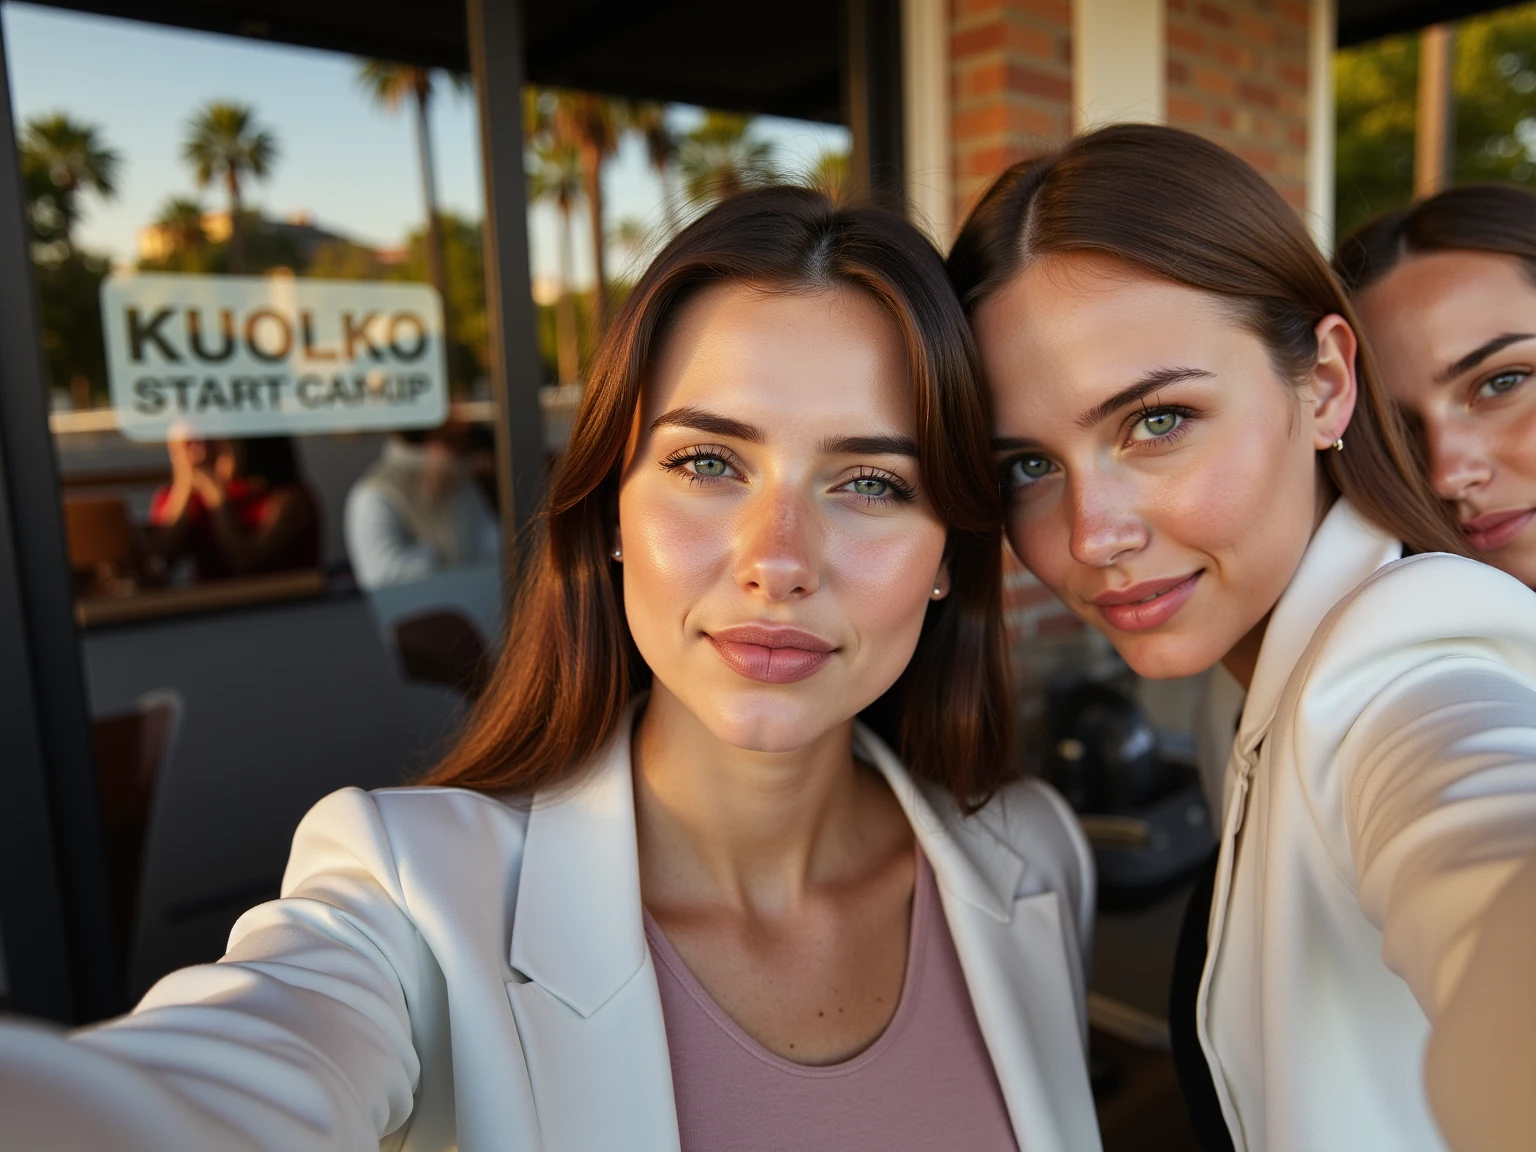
(1376, 87)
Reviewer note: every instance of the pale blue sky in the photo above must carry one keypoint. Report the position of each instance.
(349, 164)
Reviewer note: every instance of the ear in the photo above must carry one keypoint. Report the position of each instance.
(1333, 385)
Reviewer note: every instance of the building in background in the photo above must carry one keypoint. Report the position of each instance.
(935, 96)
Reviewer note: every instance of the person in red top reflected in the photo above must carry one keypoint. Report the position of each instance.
(236, 507)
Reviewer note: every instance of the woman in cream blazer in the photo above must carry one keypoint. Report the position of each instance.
(450, 970)
(1204, 468)
(777, 514)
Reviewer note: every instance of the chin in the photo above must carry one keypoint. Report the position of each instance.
(768, 722)
(1165, 657)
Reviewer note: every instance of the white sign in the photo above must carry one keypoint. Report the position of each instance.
(234, 356)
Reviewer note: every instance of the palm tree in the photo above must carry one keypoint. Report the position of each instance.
(593, 124)
(181, 221)
(391, 85)
(225, 142)
(720, 158)
(61, 158)
(557, 176)
(649, 119)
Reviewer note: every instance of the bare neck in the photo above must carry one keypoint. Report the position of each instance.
(755, 831)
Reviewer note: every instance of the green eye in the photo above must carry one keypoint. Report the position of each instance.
(1160, 423)
(871, 486)
(1500, 384)
(1027, 469)
(709, 466)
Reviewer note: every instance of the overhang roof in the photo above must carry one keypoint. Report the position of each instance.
(1361, 20)
(781, 57)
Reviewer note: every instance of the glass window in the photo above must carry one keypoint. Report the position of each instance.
(268, 368)
(264, 320)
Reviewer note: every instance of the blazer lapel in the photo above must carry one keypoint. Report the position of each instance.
(585, 1000)
(1014, 956)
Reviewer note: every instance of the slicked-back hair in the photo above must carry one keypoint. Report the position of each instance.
(1185, 210)
(1494, 218)
(569, 666)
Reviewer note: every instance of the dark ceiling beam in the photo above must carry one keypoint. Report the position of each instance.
(682, 51)
(1363, 20)
(431, 35)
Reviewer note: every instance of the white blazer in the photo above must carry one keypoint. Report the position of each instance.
(1380, 792)
(446, 970)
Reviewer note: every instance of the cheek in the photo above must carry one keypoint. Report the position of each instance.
(1041, 538)
(1515, 447)
(1251, 500)
(884, 577)
(673, 550)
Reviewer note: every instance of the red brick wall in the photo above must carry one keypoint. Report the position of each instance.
(1237, 74)
(1011, 80)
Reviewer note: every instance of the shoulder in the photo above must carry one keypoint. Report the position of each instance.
(367, 495)
(408, 830)
(1416, 610)
(1402, 670)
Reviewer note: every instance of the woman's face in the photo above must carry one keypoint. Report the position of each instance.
(1162, 477)
(1455, 336)
(779, 548)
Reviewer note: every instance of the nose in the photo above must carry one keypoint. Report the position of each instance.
(1105, 526)
(1458, 463)
(776, 549)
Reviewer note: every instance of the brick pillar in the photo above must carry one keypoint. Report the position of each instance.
(1237, 74)
(1012, 86)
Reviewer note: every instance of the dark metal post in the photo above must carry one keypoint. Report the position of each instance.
(496, 61)
(53, 899)
(872, 99)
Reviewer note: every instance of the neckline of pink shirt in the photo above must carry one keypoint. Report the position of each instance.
(922, 900)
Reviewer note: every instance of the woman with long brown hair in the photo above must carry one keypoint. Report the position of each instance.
(668, 891)
(1202, 464)
(1446, 292)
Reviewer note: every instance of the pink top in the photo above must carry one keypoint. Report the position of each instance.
(926, 1083)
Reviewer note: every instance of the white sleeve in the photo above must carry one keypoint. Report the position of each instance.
(380, 546)
(1439, 808)
(298, 1040)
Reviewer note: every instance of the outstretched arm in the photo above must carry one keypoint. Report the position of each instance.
(299, 1039)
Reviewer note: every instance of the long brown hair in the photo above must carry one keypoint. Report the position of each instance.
(1493, 218)
(1186, 210)
(569, 667)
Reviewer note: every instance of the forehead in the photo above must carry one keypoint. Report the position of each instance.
(1067, 326)
(1432, 309)
(784, 359)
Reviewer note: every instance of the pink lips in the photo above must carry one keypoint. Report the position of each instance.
(1495, 529)
(1146, 605)
(771, 653)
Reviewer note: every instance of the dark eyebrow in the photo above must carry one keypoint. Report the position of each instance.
(702, 421)
(1151, 382)
(1475, 357)
(869, 446)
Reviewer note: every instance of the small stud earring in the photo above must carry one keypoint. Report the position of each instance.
(618, 553)
(937, 592)
(1338, 445)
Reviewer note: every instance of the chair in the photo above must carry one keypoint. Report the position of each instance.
(442, 647)
(100, 540)
(132, 750)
